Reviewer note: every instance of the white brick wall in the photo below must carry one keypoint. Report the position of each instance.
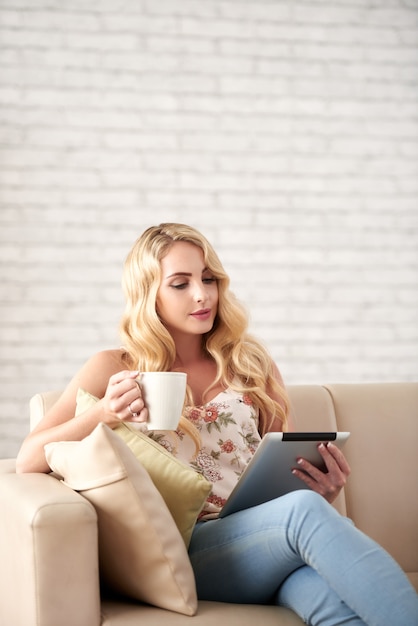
(286, 131)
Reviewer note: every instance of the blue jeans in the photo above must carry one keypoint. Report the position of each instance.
(297, 551)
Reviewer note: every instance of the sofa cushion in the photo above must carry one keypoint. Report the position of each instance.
(141, 551)
(183, 490)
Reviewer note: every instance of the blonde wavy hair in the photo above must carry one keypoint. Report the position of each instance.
(243, 363)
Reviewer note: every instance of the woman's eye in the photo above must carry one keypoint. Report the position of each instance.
(210, 280)
(180, 286)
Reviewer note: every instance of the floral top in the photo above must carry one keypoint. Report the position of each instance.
(228, 427)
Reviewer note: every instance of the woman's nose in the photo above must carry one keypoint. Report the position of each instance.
(200, 294)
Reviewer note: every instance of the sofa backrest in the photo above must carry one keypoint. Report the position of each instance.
(381, 493)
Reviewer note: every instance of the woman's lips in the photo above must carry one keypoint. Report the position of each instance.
(203, 314)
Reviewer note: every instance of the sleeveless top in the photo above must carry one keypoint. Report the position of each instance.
(228, 428)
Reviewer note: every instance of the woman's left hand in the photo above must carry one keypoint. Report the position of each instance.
(327, 483)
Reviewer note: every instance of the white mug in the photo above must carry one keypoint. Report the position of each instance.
(163, 394)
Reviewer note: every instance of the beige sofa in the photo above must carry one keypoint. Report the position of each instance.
(48, 533)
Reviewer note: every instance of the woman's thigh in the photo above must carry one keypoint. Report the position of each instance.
(245, 556)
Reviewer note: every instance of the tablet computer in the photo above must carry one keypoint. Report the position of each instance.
(269, 473)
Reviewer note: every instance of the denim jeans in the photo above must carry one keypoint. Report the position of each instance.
(298, 551)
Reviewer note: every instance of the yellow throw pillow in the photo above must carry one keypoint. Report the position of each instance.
(183, 490)
(141, 551)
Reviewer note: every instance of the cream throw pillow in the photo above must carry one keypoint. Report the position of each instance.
(184, 490)
(141, 551)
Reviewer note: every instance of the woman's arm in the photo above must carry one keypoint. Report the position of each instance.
(102, 376)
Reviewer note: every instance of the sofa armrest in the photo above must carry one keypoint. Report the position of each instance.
(39, 404)
(48, 554)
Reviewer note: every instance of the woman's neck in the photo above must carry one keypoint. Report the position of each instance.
(189, 352)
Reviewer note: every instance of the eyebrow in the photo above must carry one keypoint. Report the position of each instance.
(179, 274)
(205, 269)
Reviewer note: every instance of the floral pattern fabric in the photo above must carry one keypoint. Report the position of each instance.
(228, 427)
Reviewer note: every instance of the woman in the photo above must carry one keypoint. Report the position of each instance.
(295, 551)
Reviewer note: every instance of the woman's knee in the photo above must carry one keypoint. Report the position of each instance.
(303, 507)
(305, 500)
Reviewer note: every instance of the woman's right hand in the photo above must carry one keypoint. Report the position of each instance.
(123, 398)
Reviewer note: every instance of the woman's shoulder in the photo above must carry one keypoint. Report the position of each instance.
(96, 371)
(112, 360)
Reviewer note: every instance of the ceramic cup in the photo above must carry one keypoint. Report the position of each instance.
(164, 394)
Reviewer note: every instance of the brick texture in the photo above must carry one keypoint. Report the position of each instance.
(286, 131)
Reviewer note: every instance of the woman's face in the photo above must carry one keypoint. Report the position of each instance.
(187, 299)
